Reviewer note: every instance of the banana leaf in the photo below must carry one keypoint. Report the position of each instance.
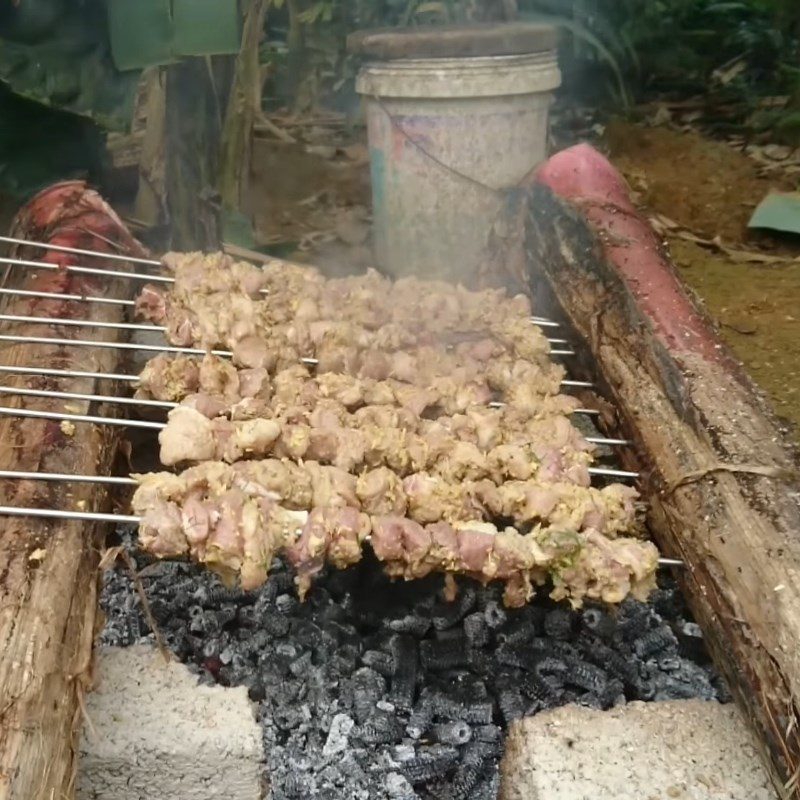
(57, 54)
(148, 33)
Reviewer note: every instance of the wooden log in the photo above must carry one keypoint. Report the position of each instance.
(48, 569)
(720, 480)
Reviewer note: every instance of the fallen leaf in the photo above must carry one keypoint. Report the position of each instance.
(778, 211)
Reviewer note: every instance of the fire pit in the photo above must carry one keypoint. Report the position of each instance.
(373, 688)
(369, 688)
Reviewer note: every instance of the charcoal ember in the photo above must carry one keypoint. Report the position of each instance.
(302, 664)
(481, 752)
(476, 630)
(466, 687)
(404, 675)
(456, 732)
(286, 603)
(558, 623)
(492, 593)
(415, 624)
(512, 706)
(274, 624)
(217, 595)
(511, 656)
(345, 660)
(612, 662)
(655, 642)
(430, 763)
(494, 614)
(586, 676)
(690, 641)
(397, 787)
(554, 671)
(379, 661)
(447, 615)
(686, 681)
(444, 654)
(599, 622)
(203, 621)
(488, 788)
(667, 602)
(363, 690)
(487, 733)
(542, 692)
(448, 708)
(420, 720)
(338, 735)
(634, 620)
(612, 695)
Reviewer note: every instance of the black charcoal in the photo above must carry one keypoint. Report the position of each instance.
(361, 696)
(456, 733)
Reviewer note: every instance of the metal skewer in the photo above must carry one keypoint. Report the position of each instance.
(60, 477)
(94, 516)
(129, 326)
(81, 270)
(67, 373)
(64, 417)
(82, 323)
(77, 251)
(154, 348)
(92, 398)
(55, 513)
(113, 301)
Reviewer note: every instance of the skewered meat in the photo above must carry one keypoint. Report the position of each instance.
(235, 529)
(217, 302)
(334, 535)
(392, 434)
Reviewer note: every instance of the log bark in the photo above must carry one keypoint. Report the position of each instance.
(48, 578)
(244, 107)
(192, 147)
(720, 481)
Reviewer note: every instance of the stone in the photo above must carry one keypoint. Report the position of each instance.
(684, 749)
(152, 732)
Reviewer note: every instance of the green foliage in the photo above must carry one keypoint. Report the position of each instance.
(55, 53)
(146, 33)
(620, 49)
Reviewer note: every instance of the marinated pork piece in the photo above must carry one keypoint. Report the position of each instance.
(334, 535)
(189, 436)
(217, 302)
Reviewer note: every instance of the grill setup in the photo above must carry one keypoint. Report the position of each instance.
(430, 686)
(559, 349)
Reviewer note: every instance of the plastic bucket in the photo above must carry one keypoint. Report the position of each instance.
(446, 137)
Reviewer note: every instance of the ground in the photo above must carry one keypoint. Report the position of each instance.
(710, 189)
(314, 204)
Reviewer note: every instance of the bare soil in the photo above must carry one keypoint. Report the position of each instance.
(711, 189)
(317, 206)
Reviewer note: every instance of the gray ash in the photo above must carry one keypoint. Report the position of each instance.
(373, 689)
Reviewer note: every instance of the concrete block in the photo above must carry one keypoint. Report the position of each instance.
(155, 734)
(681, 750)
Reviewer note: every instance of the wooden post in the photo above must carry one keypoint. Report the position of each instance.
(193, 125)
(48, 569)
(244, 107)
(720, 482)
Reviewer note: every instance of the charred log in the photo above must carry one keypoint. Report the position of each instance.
(720, 480)
(48, 580)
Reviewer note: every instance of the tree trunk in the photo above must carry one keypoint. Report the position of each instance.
(193, 129)
(720, 483)
(48, 577)
(244, 105)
